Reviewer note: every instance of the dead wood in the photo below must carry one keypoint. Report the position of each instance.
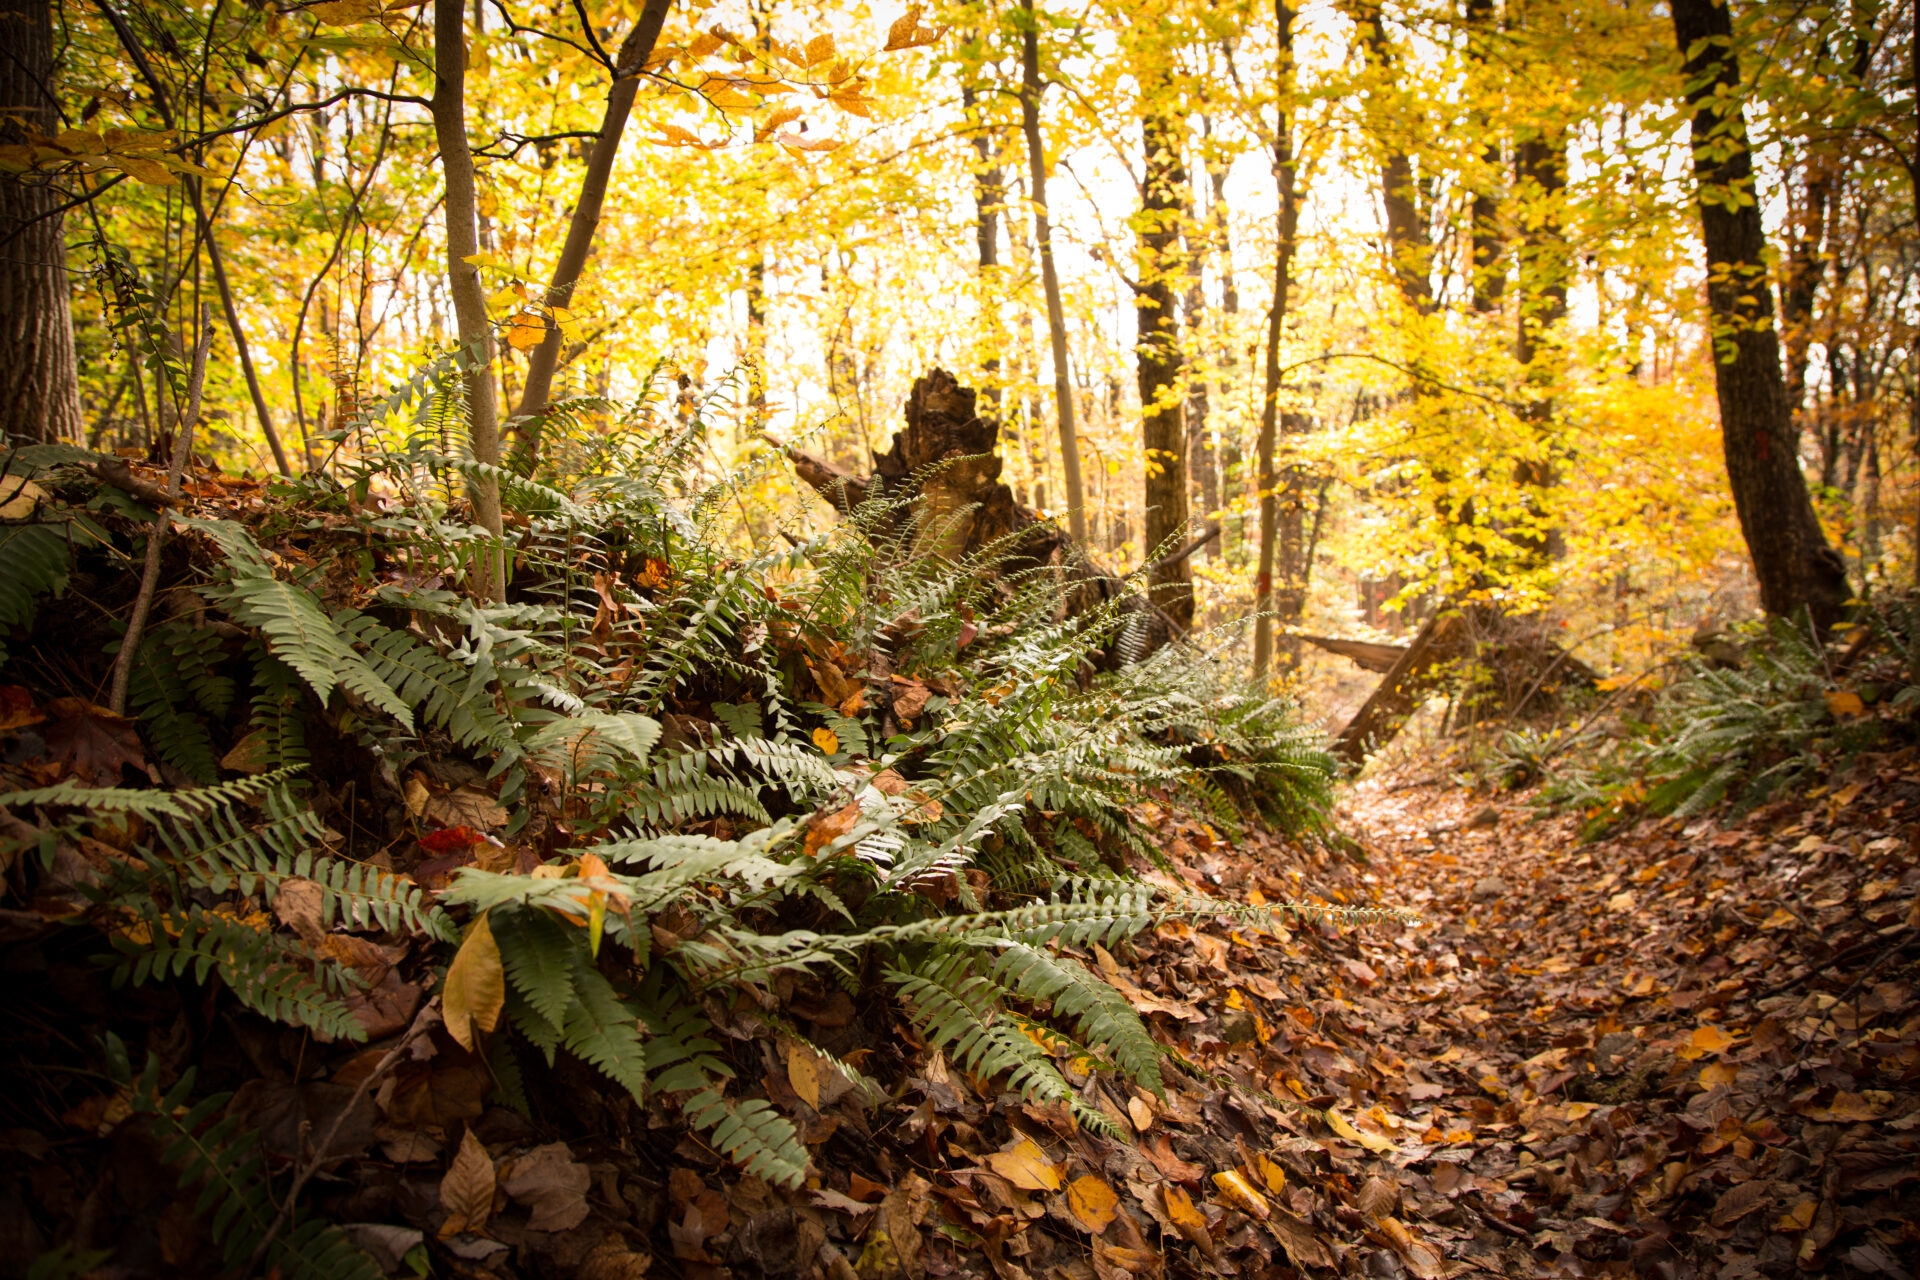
(944, 467)
(1368, 655)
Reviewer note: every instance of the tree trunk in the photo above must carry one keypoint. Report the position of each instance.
(1541, 172)
(989, 194)
(1202, 476)
(39, 391)
(1489, 282)
(1285, 173)
(1158, 361)
(1802, 284)
(1408, 251)
(463, 279)
(633, 55)
(1791, 558)
(1030, 88)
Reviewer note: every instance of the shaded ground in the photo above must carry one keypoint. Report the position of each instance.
(1685, 1051)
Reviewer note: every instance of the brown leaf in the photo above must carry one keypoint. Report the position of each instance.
(465, 807)
(909, 697)
(466, 1192)
(1740, 1200)
(93, 742)
(297, 906)
(1423, 1259)
(553, 1184)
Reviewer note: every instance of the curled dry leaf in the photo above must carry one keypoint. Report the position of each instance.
(466, 1192)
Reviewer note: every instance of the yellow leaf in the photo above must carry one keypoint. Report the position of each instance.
(1270, 1173)
(151, 172)
(1798, 1218)
(18, 498)
(1185, 1216)
(819, 50)
(851, 101)
(342, 12)
(1843, 703)
(1780, 919)
(804, 1075)
(525, 331)
(703, 44)
(1344, 1127)
(481, 260)
(1140, 1113)
(1026, 1166)
(81, 142)
(476, 985)
(569, 327)
(797, 144)
(730, 99)
(675, 136)
(1237, 1191)
(1092, 1203)
(827, 740)
(781, 115)
(1718, 1073)
(1705, 1040)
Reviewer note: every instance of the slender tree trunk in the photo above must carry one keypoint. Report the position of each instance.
(1285, 173)
(1489, 282)
(1203, 476)
(1158, 361)
(989, 194)
(1407, 243)
(463, 279)
(240, 347)
(1030, 89)
(39, 388)
(1802, 284)
(1541, 173)
(633, 55)
(1791, 558)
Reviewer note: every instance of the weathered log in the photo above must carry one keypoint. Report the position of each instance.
(1366, 654)
(1526, 673)
(943, 466)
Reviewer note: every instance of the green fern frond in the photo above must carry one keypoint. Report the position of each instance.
(34, 561)
(603, 1030)
(266, 971)
(1102, 1015)
(537, 952)
(958, 1010)
(752, 1135)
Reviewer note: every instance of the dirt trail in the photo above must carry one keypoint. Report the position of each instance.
(1683, 1051)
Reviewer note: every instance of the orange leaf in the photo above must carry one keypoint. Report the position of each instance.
(1092, 1203)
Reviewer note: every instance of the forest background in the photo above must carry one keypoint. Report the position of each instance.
(1445, 259)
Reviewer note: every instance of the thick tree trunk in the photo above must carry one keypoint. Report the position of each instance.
(1285, 172)
(633, 55)
(1791, 558)
(463, 278)
(1158, 361)
(1030, 88)
(39, 393)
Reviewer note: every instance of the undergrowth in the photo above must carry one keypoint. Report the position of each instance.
(668, 768)
(1779, 709)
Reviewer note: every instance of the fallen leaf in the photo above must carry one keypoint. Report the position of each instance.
(92, 741)
(251, 755)
(1344, 1127)
(1092, 1202)
(465, 807)
(1190, 1222)
(803, 1074)
(1140, 1113)
(1845, 703)
(466, 1192)
(1238, 1192)
(909, 698)
(553, 1184)
(825, 828)
(827, 740)
(1026, 1166)
(297, 906)
(476, 986)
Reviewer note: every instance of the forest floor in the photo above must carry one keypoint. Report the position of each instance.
(1686, 1049)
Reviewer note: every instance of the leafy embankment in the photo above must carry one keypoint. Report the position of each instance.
(395, 930)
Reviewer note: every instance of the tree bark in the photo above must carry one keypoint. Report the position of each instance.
(1030, 89)
(1791, 558)
(1541, 172)
(1158, 360)
(1407, 245)
(961, 511)
(633, 55)
(463, 279)
(1285, 171)
(989, 194)
(1489, 282)
(39, 388)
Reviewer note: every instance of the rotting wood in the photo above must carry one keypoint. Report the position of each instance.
(1365, 653)
(943, 462)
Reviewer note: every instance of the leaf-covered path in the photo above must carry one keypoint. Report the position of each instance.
(1685, 1050)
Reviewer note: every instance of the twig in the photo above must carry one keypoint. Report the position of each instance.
(157, 537)
(426, 1020)
(1213, 531)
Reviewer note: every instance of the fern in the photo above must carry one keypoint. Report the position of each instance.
(958, 1009)
(215, 1155)
(751, 1134)
(276, 710)
(34, 562)
(1102, 1014)
(266, 971)
(177, 675)
(443, 691)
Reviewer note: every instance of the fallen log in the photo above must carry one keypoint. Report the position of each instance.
(943, 466)
(1365, 653)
